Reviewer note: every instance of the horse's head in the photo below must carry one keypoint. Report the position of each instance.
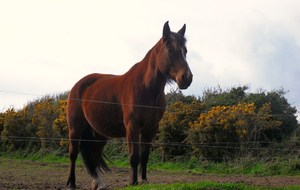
(174, 64)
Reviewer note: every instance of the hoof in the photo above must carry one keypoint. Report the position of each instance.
(98, 185)
(133, 183)
(71, 188)
(144, 181)
(99, 188)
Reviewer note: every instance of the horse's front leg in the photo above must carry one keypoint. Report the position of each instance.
(132, 137)
(146, 140)
(145, 152)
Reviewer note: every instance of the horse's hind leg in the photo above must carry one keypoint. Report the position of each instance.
(91, 148)
(97, 148)
(73, 153)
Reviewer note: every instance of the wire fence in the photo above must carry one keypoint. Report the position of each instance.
(246, 146)
(247, 150)
(138, 105)
(225, 145)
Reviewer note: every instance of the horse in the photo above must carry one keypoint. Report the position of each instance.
(105, 106)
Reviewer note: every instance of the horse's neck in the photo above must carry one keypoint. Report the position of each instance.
(152, 78)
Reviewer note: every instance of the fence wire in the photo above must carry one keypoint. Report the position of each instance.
(224, 145)
(134, 105)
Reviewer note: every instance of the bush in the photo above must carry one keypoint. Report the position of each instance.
(174, 128)
(218, 126)
(224, 131)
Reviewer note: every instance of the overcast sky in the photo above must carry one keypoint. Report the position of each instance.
(47, 46)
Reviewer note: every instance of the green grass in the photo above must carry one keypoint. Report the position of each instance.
(247, 166)
(206, 186)
(54, 157)
(279, 167)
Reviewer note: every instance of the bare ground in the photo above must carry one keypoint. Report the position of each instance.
(16, 174)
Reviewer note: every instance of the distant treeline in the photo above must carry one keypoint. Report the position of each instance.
(219, 125)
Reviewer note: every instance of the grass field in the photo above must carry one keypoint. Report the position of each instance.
(247, 166)
(50, 172)
(208, 186)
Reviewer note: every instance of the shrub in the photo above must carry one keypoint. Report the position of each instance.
(224, 131)
(174, 128)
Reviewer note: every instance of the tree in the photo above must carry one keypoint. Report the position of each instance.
(177, 96)
(217, 97)
(280, 110)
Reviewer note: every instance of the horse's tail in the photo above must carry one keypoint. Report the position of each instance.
(91, 148)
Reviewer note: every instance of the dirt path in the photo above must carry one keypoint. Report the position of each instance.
(15, 174)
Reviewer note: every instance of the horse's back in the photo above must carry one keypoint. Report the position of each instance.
(83, 84)
(75, 98)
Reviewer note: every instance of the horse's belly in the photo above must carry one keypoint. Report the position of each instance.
(108, 125)
(105, 119)
(112, 130)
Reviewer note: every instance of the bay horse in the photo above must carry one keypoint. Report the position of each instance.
(104, 106)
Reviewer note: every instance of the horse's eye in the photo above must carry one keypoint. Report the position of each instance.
(171, 51)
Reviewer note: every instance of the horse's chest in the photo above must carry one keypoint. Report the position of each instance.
(149, 118)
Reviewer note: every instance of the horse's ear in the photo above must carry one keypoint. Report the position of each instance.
(182, 30)
(166, 31)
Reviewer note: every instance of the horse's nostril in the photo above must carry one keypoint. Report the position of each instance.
(183, 77)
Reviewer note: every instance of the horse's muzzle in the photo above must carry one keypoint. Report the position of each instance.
(185, 81)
